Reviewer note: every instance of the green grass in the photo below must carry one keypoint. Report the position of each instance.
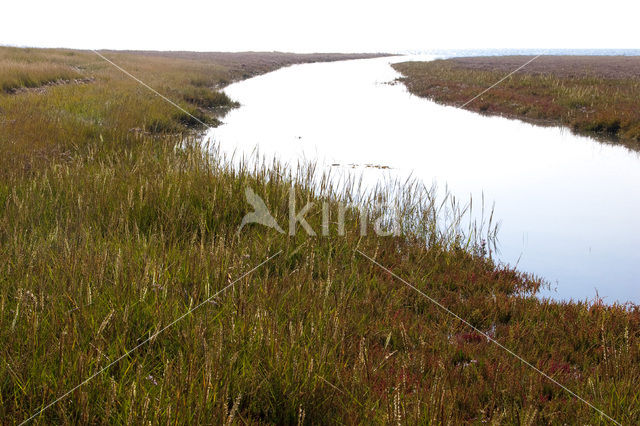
(207, 99)
(26, 68)
(116, 234)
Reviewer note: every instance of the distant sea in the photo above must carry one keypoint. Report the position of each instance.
(504, 52)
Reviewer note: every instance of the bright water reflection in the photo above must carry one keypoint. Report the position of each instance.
(568, 205)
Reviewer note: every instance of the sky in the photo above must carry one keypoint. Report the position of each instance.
(320, 26)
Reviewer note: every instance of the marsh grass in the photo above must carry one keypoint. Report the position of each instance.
(55, 101)
(595, 98)
(104, 249)
(115, 234)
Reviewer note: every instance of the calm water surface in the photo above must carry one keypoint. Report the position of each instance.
(568, 206)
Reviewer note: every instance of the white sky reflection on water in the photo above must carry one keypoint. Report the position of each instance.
(568, 205)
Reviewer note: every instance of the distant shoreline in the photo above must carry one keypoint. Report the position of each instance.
(597, 96)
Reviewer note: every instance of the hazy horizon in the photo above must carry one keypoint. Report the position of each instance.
(285, 25)
(416, 51)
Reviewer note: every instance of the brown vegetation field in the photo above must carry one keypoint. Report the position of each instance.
(595, 95)
(116, 221)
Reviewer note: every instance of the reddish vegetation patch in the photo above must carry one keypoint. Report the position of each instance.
(609, 67)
